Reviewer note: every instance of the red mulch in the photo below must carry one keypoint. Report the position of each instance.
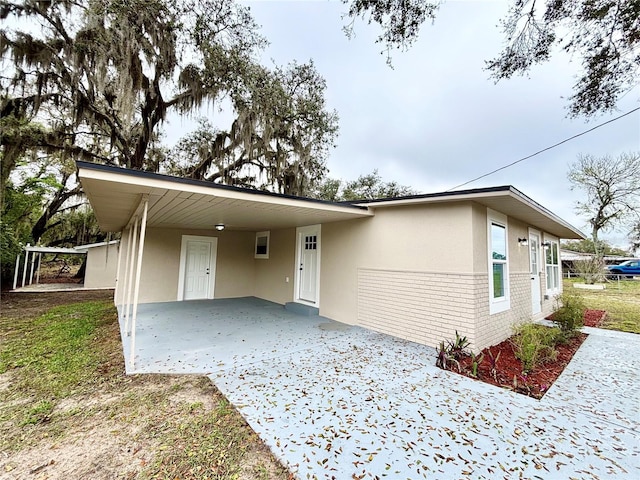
(592, 318)
(534, 383)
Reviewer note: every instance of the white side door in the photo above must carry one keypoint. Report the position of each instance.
(534, 262)
(197, 267)
(308, 265)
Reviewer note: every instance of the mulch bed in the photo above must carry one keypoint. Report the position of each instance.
(592, 318)
(536, 383)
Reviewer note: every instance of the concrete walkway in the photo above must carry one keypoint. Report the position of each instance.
(343, 402)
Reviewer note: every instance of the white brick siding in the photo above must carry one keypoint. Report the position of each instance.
(492, 329)
(424, 307)
(428, 307)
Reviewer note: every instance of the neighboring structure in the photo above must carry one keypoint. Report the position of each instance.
(569, 257)
(419, 267)
(100, 271)
(102, 263)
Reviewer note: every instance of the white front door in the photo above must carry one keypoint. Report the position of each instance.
(534, 262)
(197, 267)
(308, 265)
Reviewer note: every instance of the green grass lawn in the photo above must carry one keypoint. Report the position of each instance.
(620, 299)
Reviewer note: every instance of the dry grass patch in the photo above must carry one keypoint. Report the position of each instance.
(67, 410)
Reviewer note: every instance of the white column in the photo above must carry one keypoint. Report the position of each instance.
(15, 274)
(33, 260)
(125, 285)
(115, 291)
(143, 231)
(130, 282)
(39, 265)
(26, 262)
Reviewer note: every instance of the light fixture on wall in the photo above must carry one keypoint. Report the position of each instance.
(219, 226)
(523, 242)
(545, 244)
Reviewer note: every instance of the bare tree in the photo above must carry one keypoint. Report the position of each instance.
(612, 188)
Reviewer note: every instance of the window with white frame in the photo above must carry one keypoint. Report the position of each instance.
(262, 245)
(552, 260)
(498, 262)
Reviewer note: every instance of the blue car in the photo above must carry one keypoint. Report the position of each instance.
(628, 268)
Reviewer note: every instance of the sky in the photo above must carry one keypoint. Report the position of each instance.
(436, 120)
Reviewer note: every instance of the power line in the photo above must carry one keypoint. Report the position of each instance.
(545, 149)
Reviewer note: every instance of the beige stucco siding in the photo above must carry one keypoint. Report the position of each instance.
(518, 254)
(341, 247)
(235, 275)
(422, 238)
(271, 273)
(479, 234)
(161, 264)
(101, 266)
(435, 238)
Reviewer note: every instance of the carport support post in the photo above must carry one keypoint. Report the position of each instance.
(143, 231)
(115, 291)
(15, 274)
(39, 265)
(33, 260)
(125, 285)
(26, 262)
(130, 283)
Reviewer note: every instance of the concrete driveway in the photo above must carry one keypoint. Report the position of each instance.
(333, 401)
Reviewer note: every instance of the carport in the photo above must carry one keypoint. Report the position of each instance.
(209, 336)
(135, 202)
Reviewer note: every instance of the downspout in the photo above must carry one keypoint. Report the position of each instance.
(143, 231)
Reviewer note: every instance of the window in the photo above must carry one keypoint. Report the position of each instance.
(553, 265)
(262, 245)
(311, 242)
(498, 262)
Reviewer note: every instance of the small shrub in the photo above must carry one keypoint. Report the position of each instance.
(569, 312)
(476, 360)
(451, 352)
(493, 364)
(535, 344)
(458, 348)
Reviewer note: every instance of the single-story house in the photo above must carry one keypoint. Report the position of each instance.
(419, 267)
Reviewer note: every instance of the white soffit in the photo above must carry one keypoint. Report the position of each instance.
(115, 194)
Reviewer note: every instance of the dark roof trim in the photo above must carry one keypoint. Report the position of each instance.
(202, 183)
(472, 191)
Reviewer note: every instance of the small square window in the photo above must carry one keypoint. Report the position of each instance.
(262, 245)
